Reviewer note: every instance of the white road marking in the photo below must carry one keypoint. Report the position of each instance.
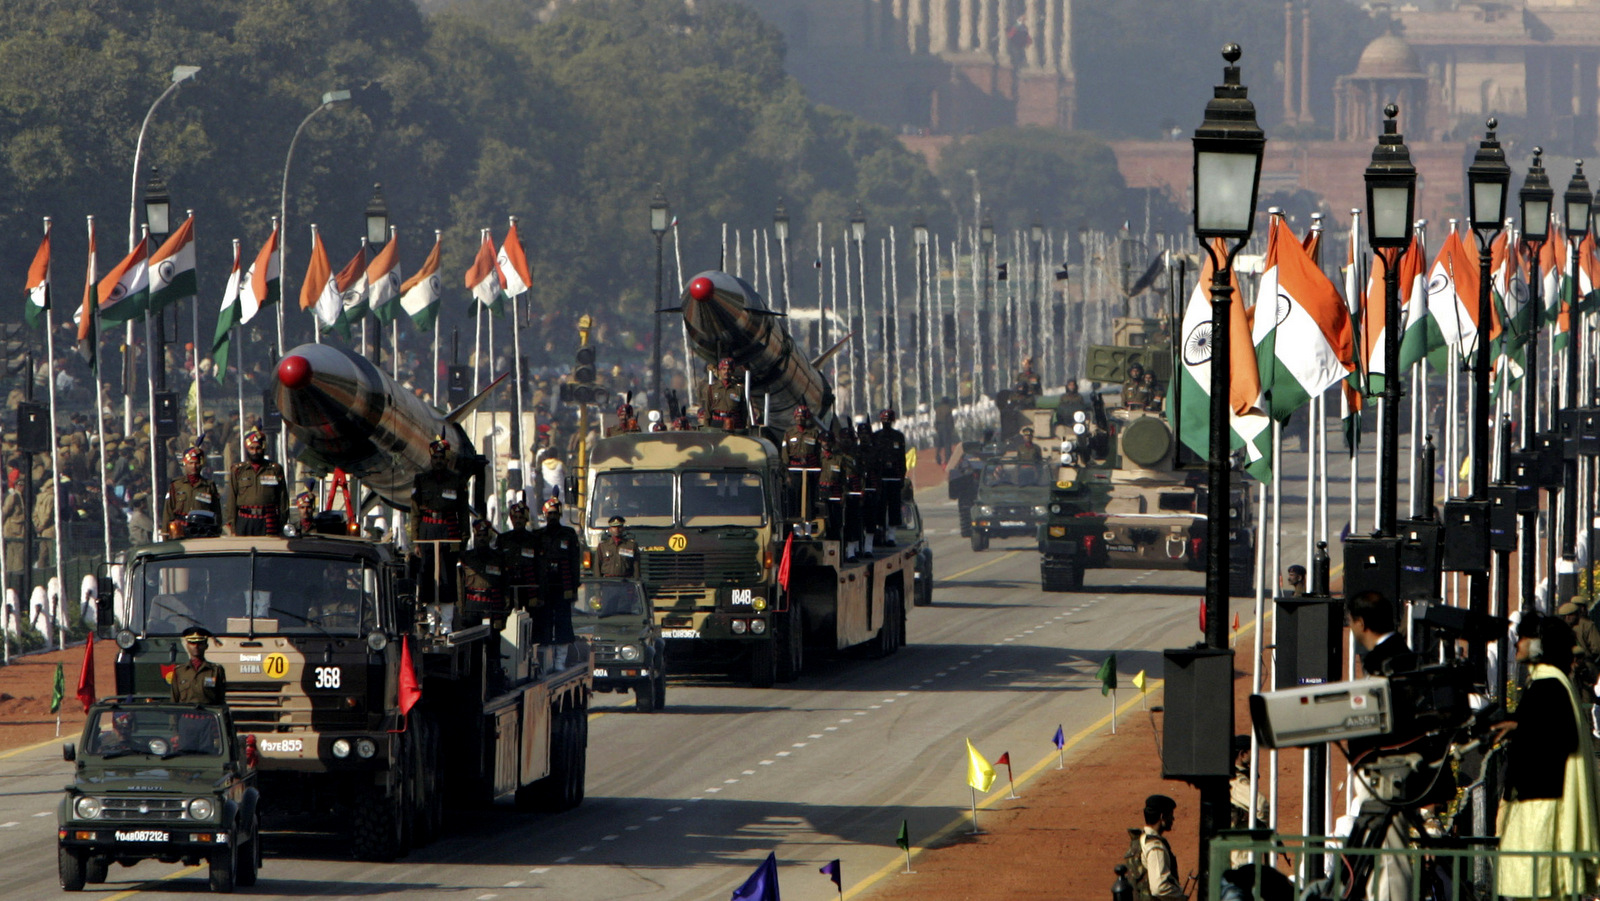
(900, 694)
(8, 825)
(537, 870)
(748, 773)
(609, 838)
(783, 753)
(42, 813)
(654, 819)
(673, 809)
(847, 720)
(712, 791)
(586, 849)
(515, 883)
(830, 728)
(767, 762)
(633, 828)
(487, 897)
(814, 735)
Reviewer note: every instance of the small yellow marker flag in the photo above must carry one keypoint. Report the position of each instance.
(911, 459)
(980, 775)
(1138, 682)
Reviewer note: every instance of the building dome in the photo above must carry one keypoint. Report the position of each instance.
(1387, 57)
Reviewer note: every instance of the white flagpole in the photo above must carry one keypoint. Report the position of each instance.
(892, 354)
(53, 624)
(854, 349)
(1113, 711)
(150, 352)
(677, 255)
(194, 361)
(1258, 642)
(833, 309)
(975, 829)
(516, 364)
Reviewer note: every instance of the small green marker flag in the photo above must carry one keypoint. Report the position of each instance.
(904, 839)
(59, 691)
(1108, 675)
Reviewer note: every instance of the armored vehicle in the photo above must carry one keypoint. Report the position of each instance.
(155, 780)
(1011, 499)
(616, 618)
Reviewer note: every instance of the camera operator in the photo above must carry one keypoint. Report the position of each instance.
(1549, 802)
(1383, 651)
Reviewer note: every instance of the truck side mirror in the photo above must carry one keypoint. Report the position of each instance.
(105, 593)
(69, 751)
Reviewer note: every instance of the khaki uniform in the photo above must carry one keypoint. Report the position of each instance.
(831, 485)
(1028, 452)
(1027, 385)
(184, 496)
(258, 503)
(1135, 396)
(44, 525)
(802, 450)
(617, 559)
(205, 685)
(438, 505)
(725, 405)
(15, 525)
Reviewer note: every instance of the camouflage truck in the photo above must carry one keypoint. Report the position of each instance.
(709, 514)
(315, 634)
(1127, 495)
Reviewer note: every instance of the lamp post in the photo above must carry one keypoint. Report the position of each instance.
(780, 228)
(924, 319)
(1391, 195)
(1036, 297)
(986, 348)
(1228, 147)
(328, 100)
(377, 215)
(1534, 199)
(859, 376)
(1578, 202)
(158, 219)
(659, 220)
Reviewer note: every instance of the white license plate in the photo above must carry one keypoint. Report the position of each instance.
(680, 633)
(1012, 523)
(142, 835)
(600, 673)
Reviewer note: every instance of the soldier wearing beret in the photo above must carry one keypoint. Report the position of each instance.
(192, 492)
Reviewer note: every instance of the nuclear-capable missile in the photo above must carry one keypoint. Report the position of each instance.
(726, 317)
(348, 413)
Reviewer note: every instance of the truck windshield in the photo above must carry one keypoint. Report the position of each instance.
(721, 499)
(643, 498)
(292, 595)
(162, 732)
(1021, 475)
(602, 599)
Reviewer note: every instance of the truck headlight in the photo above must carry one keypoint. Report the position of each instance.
(1080, 416)
(376, 640)
(1079, 428)
(125, 639)
(1039, 510)
(341, 747)
(201, 809)
(1056, 509)
(86, 808)
(758, 626)
(630, 652)
(984, 510)
(365, 748)
(759, 603)
(739, 626)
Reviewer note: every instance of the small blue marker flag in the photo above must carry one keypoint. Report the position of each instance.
(1060, 739)
(831, 870)
(762, 884)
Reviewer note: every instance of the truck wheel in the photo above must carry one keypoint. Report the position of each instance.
(791, 642)
(964, 517)
(661, 701)
(377, 829)
(644, 696)
(980, 540)
(763, 663)
(224, 869)
(95, 870)
(1075, 578)
(580, 756)
(72, 865)
(891, 634)
(545, 794)
(250, 858)
(923, 596)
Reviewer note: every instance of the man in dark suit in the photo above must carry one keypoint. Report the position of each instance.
(1372, 624)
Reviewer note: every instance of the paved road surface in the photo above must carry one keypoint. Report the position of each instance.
(683, 804)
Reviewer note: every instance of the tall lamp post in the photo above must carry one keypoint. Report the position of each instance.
(924, 319)
(988, 354)
(1228, 147)
(780, 229)
(859, 375)
(1487, 180)
(377, 214)
(1534, 199)
(158, 222)
(1578, 202)
(1035, 296)
(328, 100)
(659, 220)
(1391, 197)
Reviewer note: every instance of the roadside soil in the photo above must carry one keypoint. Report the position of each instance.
(25, 686)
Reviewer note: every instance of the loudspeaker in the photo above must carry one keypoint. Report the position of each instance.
(459, 385)
(1310, 641)
(33, 428)
(1503, 517)
(1466, 536)
(1419, 559)
(1567, 431)
(1522, 471)
(1588, 436)
(167, 414)
(271, 417)
(1548, 447)
(1197, 740)
(1372, 564)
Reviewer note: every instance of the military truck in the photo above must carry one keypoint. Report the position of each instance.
(1011, 499)
(1127, 495)
(709, 512)
(324, 639)
(616, 618)
(156, 780)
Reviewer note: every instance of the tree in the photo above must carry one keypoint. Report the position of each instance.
(1066, 180)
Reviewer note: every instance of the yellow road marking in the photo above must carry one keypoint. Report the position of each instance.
(43, 744)
(151, 883)
(972, 569)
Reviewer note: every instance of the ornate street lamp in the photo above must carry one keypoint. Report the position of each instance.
(377, 218)
(660, 220)
(780, 229)
(1578, 202)
(858, 318)
(1391, 195)
(1534, 198)
(924, 319)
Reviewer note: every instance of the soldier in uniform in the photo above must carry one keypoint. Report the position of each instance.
(14, 522)
(438, 499)
(891, 453)
(1025, 450)
(802, 455)
(617, 557)
(190, 493)
(305, 505)
(854, 494)
(871, 470)
(1134, 393)
(1155, 394)
(519, 546)
(724, 406)
(1027, 387)
(560, 558)
(627, 420)
(483, 577)
(1072, 402)
(199, 681)
(258, 503)
(831, 484)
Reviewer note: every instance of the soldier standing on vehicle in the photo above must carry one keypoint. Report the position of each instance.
(520, 547)
(871, 469)
(258, 500)
(627, 420)
(560, 558)
(438, 499)
(617, 557)
(1155, 394)
(802, 456)
(199, 681)
(305, 505)
(1025, 450)
(725, 401)
(855, 490)
(1027, 387)
(483, 577)
(831, 485)
(1072, 402)
(1134, 393)
(890, 444)
(191, 493)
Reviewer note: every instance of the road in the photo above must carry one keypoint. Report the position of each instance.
(683, 804)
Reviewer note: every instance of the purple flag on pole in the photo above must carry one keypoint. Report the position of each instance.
(1060, 739)
(762, 884)
(831, 870)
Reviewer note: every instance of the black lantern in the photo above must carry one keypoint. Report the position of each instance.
(858, 224)
(377, 218)
(1228, 147)
(986, 232)
(1391, 187)
(780, 222)
(658, 212)
(157, 205)
(1578, 200)
(919, 229)
(1487, 179)
(1037, 231)
(1535, 198)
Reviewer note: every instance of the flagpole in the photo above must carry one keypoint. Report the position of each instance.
(1258, 642)
(55, 466)
(975, 829)
(194, 361)
(1113, 711)
(516, 357)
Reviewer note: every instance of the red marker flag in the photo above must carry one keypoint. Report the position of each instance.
(1011, 781)
(1202, 614)
(86, 675)
(783, 565)
(1236, 621)
(410, 691)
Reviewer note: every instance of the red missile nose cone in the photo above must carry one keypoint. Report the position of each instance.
(701, 288)
(294, 372)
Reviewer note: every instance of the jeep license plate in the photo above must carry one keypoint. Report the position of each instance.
(680, 633)
(1011, 523)
(600, 673)
(142, 835)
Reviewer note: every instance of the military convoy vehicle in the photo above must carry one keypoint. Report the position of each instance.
(1126, 494)
(155, 780)
(1011, 498)
(616, 618)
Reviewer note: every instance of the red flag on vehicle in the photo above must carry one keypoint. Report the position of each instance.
(1202, 614)
(86, 675)
(410, 691)
(783, 565)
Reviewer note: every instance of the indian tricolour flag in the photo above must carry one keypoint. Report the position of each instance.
(1302, 333)
(1588, 275)
(39, 281)
(319, 293)
(1550, 265)
(484, 279)
(513, 263)
(1453, 295)
(259, 287)
(227, 317)
(351, 281)
(419, 296)
(1374, 316)
(125, 291)
(383, 282)
(1249, 427)
(172, 268)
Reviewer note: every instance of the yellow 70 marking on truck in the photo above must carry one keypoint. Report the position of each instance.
(276, 666)
(678, 542)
